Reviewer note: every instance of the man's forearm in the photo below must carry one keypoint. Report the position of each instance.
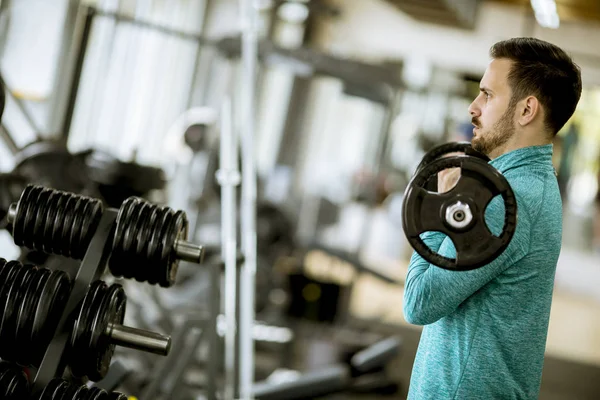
(416, 268)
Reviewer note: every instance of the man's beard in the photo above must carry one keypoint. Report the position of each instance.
(489, 140)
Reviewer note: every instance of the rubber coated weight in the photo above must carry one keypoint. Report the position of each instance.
(144, 242)
(102, 306)
(61, 223)
(56, 222)
(451, 147)
(62, 390)
(118, 180)
(49, 163)
(11, 187)
(32, 300)
(426, 211)
(13, 382)
(443, 150)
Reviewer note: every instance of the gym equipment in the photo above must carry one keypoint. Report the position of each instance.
(49, 163)
(78, 323)
(11, 187)
(273, 228)
(337, 378)
(2, 97)
(59, 389)
(249, 63)
(13, 382)
(118, 180)
(443, 150)
(459, 213)
(15, 386)
(147, 243)
(33, 302)
(450, 147)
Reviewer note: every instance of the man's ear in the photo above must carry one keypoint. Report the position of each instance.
(529, 109)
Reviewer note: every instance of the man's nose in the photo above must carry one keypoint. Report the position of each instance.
(474, 110)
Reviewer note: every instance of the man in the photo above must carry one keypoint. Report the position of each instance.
(485, 330)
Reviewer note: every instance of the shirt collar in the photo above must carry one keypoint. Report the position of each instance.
(532, 156)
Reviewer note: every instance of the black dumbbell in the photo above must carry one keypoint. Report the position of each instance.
(118, 180)
(13, 382)
(448, 148)
(460, 212)
(59, 389)
(147, 244)
(443, 150)
(32, 301)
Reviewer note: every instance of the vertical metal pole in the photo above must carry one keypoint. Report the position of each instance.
(248, 20)
(236, 371)
(214, 360)
(228, 177)
(76, 77)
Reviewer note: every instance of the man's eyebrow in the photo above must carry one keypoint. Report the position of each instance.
(486, 90)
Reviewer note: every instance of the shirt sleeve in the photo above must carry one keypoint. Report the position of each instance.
(431, 293)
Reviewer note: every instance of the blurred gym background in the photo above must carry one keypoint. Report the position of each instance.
(350, 95)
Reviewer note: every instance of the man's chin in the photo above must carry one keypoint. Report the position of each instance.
(477, 145)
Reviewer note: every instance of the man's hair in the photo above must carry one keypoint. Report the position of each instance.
(545, 71)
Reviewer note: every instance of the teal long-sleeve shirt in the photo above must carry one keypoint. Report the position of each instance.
(485, 330)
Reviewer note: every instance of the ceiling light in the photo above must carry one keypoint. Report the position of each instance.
(545, 13)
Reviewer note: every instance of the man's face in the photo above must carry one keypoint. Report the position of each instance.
(492, 113)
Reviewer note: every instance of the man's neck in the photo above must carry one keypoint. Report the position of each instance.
(519, 141)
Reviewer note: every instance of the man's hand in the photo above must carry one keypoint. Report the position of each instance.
(447, 179)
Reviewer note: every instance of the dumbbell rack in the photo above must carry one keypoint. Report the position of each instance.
(95, 258)
(54, 361)
(91, 268)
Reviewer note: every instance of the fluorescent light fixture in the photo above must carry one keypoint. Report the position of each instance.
(545, 13)
(295, 13)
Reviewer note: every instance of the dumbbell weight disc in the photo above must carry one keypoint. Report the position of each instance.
(425, 211)
(13, 382)
(145, 236)
(443, 150)
(102, 306)
(59, 389)
(49, 163)
(451, 147)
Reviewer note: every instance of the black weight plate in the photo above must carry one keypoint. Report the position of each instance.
(54, 390)
(118, 180)
(59, 389)
(451, 147)
(80, 352)
(25, 336)
(79, 392)
(143, 243)
(50, 307)
(13, 382)
(442, 150)
(11, 187)
(49, 163)
(93, 393)
(110, 311)
(424, 211)
(9, 318)
(144, 223)
(116, 396)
